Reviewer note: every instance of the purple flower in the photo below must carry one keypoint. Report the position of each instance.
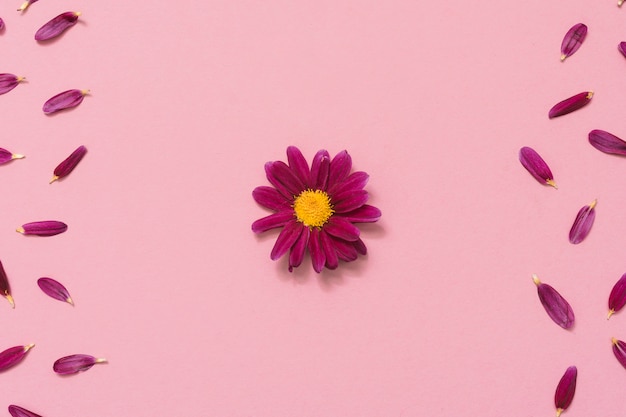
(316, 208)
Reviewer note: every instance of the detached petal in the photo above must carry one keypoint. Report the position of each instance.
(5, 288)
(617, 298)
(9, 81)
(56, 26)
(572, 40)
(43, 228)
(570, 104)
(25, 5)
(69, 163)
(64, 100)
(555, 305)
(622, 48)
(319, 170)
(272, 221)
(619, 350)
(270, 198)
(16, 411)
(537, 167)
(583, 222)
(7, 156)
(12, 356)
(54, 289)
(298, 165)
(565, 390)
(607, 142)
(364, 214)
(286, 239)
(75, 363)
(342, 229)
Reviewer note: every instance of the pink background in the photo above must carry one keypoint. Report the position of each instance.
(433, 99)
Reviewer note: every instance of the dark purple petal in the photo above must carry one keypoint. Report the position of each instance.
(607, 142)
(556, 306)
(355, 181)
(342, 229)
(269, 197)
(617, 298)
(43, 228)
(282, 174)
(364, 214)
(272, 221)
(5, 289)
(25, 5)
(270, 174)
(75, 363)
(64, 100)
(565, 390)
(56, 26)
(9, 81)
(318, 258)
(622, 48)
(286, 239)
(537, 167)
(582, 224)
(13, 356)
(349, 200)
(572, 40)
(570, 104)
(296, 254)
(332, 261)
(1, 24)
(319, 170)
(16, 411)
(54, 289)
(339, 169)
(69, 163)
(6, 156)
(345, 250)
(299, 165)
(360, 247)
(619, 349)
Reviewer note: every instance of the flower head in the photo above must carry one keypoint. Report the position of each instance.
(316, 208)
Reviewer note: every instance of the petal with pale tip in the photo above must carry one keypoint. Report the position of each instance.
(54, 289)
(607, 142)
(582, 223)
(565, 390)
(69, 163)
(573, 39)
(617, 298)
(25, 5)
(75, 363)
(558, 309)
(43, 228)
(8, 82)
(5, 288)
(536, 166)
(619, 350)
(570, 104)
(65, 100)
(14, 355)
(57, 25)
(7, 156)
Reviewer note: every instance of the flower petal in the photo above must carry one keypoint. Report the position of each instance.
(572, 40)
(16, 411)
(75, 363)
(270, 198)
(286, 239)
(54, 289)
(12, 356)
(7, 156)
(570, 104)
(355, 181)
(342, 229)
(537, 167)
(272, 221)
(296, 254)
(619, 350)
(617, 298)
(285, 176)
(318, 258)
(364, 214)
(345, 250)
(319, 170)
(565, 390)
(622, 48)
(65, 100)
(332, 261)
(25, 5)
(298, 165)
(607, 142)
(69, 163)
(5, 289)
(43, 228)
(56, 26)
(340, 167)
(360, 247)
(582, 224)
(8, 82)
(555, 305)
(349, 200)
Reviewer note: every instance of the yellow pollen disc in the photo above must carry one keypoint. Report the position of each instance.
(313, 208)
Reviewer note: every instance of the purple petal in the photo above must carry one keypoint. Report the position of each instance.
(269, 197)
(5, 289)
(64, 100)
(68, 165)
(43, 228)
(345, 250)
(582, 224)
(25, 5)
(622, 48)
(355, 181)
(54, 289)
(565, 390)
(272, 221)
(342, 229)
(617, 298)
(1, 24)
(364, 214)
(555, 305)
(349, 200)
(619, 349)
(570, 104)
(13, 356)
(339, 169)
(332, 261)
(7, 156)
(537, 167)
(360, 247)
(8, 82)
(607, 142)
(298, 165)
(75, 363)
(286, 239)
(572, 40)
(16, 411)
(319, 170)
(56, 26)
(296, 254)
(318, 258)
(283, 175)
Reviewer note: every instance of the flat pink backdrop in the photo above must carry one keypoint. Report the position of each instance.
(432, 99)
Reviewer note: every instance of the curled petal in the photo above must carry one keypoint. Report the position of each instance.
(75, 363)
(582, 224)
(555, 305)
(342, 229)
(269, 197)
(9, 81)
(56, 26)
(5, 289)
(537, 167)
(565, 390)
(570, 104)
(349, 200)
(272, 221)
(364, 214)
(68, 165)
(572, 40)
(6, 156)
(607, 142)
(617, 298)
(16, 411)
(286, 239)
(619, 350)
(340, 167)
(319, 170)
(332, 260)
(43, 228)
(12, 356)
(299, 165)
(296, 253)
(54, 289)
(318, 258)
(65, 100)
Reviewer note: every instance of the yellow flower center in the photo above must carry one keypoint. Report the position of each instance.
(313, 208)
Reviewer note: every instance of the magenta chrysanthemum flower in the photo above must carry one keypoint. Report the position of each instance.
(316, 208)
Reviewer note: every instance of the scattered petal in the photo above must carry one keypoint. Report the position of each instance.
(1, 24)
(583, 222)
(570, 104)
(565, 390)
(75, 363)
(537, 167)
(617, 298)
(43, 228)
(25, 5)
(54, 289)
(572, 40)
(6, 156)
(56, 26)
(5, 289)
(607, 142)
(556, 306)
(64, 100)
(68, 165)
(622, 48)
(16, 411)
(9, 81)
(619, 350)
(620, 2)
(13, 356)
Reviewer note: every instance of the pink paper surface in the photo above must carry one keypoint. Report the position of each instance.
(432, 99)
